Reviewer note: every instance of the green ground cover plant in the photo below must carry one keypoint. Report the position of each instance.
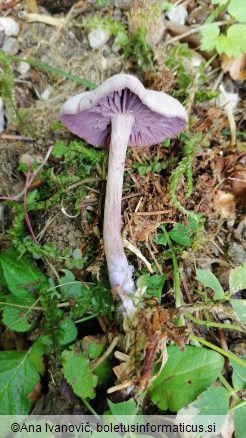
(45, 297)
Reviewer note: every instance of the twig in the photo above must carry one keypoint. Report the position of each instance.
(15, 137)
(153, 213)
(191, 31)
(138, 253)
(120, 387)
(41, 18)
(214, 324)
(105, 354)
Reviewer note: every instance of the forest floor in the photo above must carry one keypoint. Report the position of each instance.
(183, 208)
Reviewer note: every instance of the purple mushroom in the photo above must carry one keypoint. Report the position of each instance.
(121, 113)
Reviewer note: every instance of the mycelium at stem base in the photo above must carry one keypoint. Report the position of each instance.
(120, 272)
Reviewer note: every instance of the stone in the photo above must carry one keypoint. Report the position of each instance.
(177, 14)
(97, 38)
(23, 68)
(11, 28)
(10, 46)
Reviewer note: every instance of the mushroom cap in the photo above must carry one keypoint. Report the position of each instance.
(157, 115)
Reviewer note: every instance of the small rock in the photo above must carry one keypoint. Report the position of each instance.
(46, 93)
(177, 14)
(97, 38)
(23, 68)
(10, 46)
(10, 26)
(1, 116)
(237, 253)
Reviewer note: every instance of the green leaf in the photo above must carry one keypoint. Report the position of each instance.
(208, 279)
(67, 329)
(155, 285)
(17, 318)
(239, 375)
(41, 346)
(237, 10)
(94, 345)
(128, 407)
(210, 33)
(181, 234)
(239, 307)
(20, 274)
(239, 421)
(17, 379)
(162, 239)
(186, 375)
(237, 279)
(213, 401)
(233, 44)
(77, 372)
(73, 290)
(59, 149)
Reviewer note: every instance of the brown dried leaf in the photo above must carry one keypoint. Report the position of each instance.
(235, 67)
(225, 205)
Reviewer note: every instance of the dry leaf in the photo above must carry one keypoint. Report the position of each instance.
(235, 67)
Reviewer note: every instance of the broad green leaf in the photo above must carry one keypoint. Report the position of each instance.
(104, 372)
(68, 331)
(76, 370)
(19, 319)
(237, 8)
(181, 234)
(239, 421)
(238, 375)
(21, 276)
(18, 377)
(128, 407)
(239, 307)
(155, 285)
(186, 375)
(161, 239)
(237, 278)
(41, 346)
(234, 42)
(213, 401)
(94, 345)
(73, 290)
(208, 279)
(210, 33)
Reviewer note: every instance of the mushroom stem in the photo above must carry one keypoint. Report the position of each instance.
(120, 272)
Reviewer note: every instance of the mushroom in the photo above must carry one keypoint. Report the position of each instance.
(121, 113)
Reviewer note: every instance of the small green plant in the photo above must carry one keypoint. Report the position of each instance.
(26, 295)
(132, 45)
(179, 61)
(233, 42)
(7, 91)
(184, 168)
